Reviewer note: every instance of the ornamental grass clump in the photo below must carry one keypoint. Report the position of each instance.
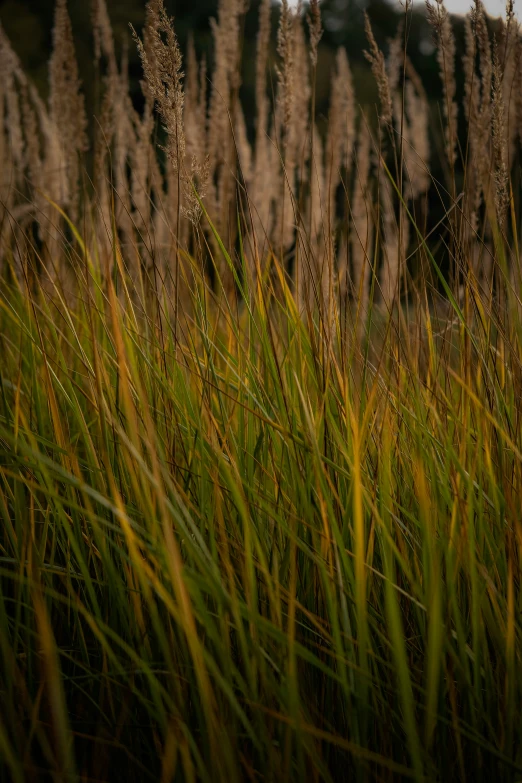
(260, 418)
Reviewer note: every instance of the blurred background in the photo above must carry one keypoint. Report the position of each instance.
(28, 23)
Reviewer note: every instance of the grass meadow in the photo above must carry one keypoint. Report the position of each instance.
(260, 411)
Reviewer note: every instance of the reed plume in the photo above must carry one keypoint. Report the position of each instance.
(12, 139)
(416, 151)
(341, 132)
(290, 45)
(440, 21)
(378, 65)
(361, 235)
(222, 117)
(12, 147)
(264, 177)
(315, 26)
(66, 105)
(499, 141)
(163, 69)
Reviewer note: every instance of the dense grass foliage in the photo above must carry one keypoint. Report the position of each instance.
(249, 555)
(260, 419)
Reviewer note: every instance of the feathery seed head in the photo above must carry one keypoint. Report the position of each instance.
(316, 30)
(103, 36)
(66, 105)
(376, 59)
(445, 40)
(162, 66)
(286, 72)
(501, 175)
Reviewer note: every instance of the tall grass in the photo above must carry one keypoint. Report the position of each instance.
(260, 426)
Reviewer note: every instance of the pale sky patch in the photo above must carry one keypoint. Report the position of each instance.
(493, 7)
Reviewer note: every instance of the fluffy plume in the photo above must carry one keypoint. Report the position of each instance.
(103, 36)
(292, 113)
(376, 59)
(195, 115)
(66, 104)
(416, 150)
(12, 134)
(439, 19)
(362, 230)
(392, 257)
(316, 30)
(263, 184)
(285, 72)
(501, 176)
(162, 66)
(477, 104)
(244, 149)
(225, 31)
(341, 130)
(509, 55)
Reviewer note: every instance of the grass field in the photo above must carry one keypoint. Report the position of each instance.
(261, 472)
